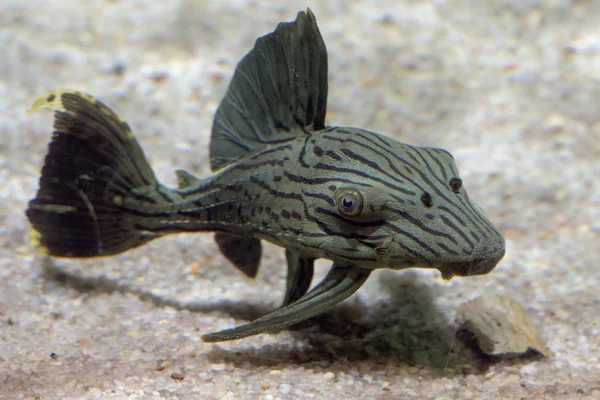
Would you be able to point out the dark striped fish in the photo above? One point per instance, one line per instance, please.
(355, 197)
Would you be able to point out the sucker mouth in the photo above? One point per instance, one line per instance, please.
(477, 266)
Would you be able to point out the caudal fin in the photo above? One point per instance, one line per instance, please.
(93, 164)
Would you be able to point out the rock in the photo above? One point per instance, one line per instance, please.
(501, 326)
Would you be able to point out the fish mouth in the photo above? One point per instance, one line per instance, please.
(476, 266)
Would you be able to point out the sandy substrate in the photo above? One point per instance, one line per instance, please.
(511, 88)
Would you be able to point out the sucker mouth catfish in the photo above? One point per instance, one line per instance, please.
(358, 198)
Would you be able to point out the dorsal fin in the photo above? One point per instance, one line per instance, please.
(279, 90)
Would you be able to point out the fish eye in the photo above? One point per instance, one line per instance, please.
(349, 202)
(455, 184)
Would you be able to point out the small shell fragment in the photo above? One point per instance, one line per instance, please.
(501, 326)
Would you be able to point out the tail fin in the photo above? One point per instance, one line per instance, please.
(93, 163)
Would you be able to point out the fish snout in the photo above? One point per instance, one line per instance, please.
(482, 261)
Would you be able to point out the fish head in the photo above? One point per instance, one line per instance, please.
(386, 204)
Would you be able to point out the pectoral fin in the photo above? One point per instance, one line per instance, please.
(339, 284)
(243, 252)
(300, 273)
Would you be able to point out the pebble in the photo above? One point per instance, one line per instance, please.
(218, 367)
(161, 365)
(328, 375)
(285, 388)
(177, 376)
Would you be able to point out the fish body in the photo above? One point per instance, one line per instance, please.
(358, 198)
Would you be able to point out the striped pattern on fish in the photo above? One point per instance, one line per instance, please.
(358, 198)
